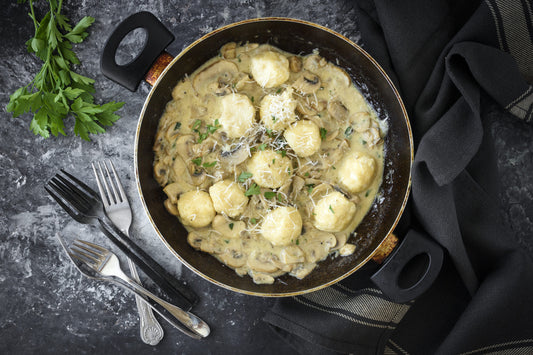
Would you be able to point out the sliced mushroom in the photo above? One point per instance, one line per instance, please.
(171, 207)
(184, 146)
(297, 185)
(233, 258)
(236, 155)
(195, 240)
(302, 270)
(228, 50)
(220, 73)
(346, 250)
(197, 174)
(338, 77)
(211, 245)
(204, 148)
(337, 110)
(172, 130)
(307, 83)
(305, 108)
(161, 173)
(320, 191)
(291, 254)
(295, 64)
(179, 170)
(228, 228)
(318, 245)
(174, 190)
(260, 278)
(261, 261)
(342, 237)
(313, 62)
(371, 136)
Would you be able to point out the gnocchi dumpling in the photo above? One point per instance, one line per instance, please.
(269, 69)
(303, 137)
(237, 116)
(196, 208)
(282, 226)
(269, 169)
(333, 213)
(356, 171)
(228, 198)
(277, 110)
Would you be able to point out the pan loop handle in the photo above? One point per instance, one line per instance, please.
(129, 75)
(411, 268)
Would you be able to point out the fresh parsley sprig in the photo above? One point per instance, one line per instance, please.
(57, 91)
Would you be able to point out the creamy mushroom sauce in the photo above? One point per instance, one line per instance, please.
(269, 159)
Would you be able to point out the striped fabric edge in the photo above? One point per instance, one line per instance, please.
(513, 21)
(361, 308)
(514, 28)
(522, 107)
(517, 347)
(394, 349)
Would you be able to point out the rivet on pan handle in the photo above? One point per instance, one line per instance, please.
(158, 37)
(402, 261)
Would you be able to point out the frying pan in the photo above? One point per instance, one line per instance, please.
(295, 36)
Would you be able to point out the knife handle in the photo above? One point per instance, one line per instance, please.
(180, 295)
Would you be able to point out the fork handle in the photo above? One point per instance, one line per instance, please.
(189, 320)
(179, 294)
(151, 330)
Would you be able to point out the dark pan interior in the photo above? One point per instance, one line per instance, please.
(302, 38)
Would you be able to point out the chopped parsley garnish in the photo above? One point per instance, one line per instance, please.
(331, 209)
(197, 161)
(209, 165)
(348, 132)
(323, 133)
(310, 188)
(231, 226)
(253, 220)
(196, 125)
(262, 146)
(177, 126)
(270, 194)
(244, 176)
(254, 189)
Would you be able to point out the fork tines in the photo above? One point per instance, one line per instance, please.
(87, 252)
(103, 174)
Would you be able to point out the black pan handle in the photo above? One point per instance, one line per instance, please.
(158, 37)
(411, 268)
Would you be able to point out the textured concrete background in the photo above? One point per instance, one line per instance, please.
(46, 305)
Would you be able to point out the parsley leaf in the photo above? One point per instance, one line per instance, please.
(57, 91)
(323, 133)
(254, 189)
(209, 165)
(270, 194)
(197, 161)
(244, 176)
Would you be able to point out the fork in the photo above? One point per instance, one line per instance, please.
(117, 208)
(84, 205)
(105, 263)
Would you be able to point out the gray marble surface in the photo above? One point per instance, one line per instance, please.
(46, 305)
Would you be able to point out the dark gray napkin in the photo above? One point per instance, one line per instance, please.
(451, 60)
